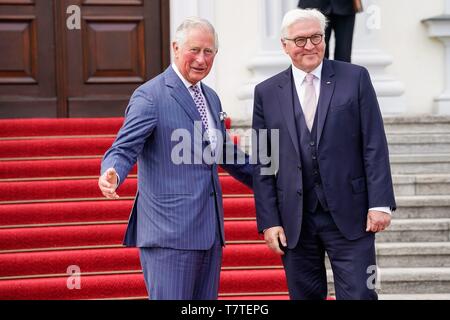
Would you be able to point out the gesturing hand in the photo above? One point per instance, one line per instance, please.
(108, 184)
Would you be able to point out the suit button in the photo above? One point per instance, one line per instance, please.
(314, 158)
(299, 192)
(299, 167)
(312, 143)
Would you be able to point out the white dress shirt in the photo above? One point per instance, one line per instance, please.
(299, 81)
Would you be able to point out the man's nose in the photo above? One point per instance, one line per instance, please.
(309, 45)
(200, 58)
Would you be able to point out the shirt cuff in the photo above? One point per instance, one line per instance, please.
(382, 209)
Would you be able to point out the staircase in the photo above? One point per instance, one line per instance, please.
(60, 239)
(52, 217)
(414, 255)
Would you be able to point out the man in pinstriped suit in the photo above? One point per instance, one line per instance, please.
(177, 217)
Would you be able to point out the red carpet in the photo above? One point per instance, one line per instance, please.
(91, 235)
(88, 188)
(130, 285)
(101, 210)
(118, 259)
(53, 216)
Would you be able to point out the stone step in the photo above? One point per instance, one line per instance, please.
(406, 296)
(411, 280)
(421, 184)
(416, 123)
(411, 255)
(422, 207)
(420, 163)
(416, 230)
(422, 142)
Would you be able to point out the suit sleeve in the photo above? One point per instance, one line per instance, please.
(264, 187)
(140, 121)
(375, 147)
(240, 169)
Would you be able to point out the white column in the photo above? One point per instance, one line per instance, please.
(366, 52)
(439, 27)
(181, 9)
(269, 57)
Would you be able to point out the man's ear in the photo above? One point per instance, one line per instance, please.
(283, 44)
(176, 49)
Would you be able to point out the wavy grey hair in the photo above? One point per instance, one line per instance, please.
(297, 15)
(194, 23)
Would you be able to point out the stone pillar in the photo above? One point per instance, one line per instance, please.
(269, 58)
(439, 27)
(181, 9)
(366, 52)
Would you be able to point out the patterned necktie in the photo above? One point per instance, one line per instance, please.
(309, 101)
(201, 105)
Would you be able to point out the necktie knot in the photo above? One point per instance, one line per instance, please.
(309, 78)
(195, 88)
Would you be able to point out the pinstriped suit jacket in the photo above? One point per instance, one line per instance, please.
(176, 206)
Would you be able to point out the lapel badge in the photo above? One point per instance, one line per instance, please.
(222, 116)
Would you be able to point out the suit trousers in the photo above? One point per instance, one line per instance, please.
(172, 274)
(353, 262)
(343, 26)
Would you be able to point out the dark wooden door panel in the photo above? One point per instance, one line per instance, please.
(47, 70)
(112, 54)
(27, 67)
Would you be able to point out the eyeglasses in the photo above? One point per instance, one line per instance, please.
(301, 41)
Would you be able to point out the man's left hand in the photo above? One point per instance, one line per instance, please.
(377, 221)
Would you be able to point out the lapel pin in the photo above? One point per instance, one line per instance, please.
(223, 116)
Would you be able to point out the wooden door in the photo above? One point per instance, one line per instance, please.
(51, 70)
(27, 59)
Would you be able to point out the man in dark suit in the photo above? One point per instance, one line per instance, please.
(332, 188)
(177, 220)
(341, 17)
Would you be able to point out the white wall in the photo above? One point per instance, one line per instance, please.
(237, 25)
(418, 59)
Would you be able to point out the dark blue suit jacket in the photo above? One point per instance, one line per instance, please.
(177, 205)
(338, 7)
(352, 151)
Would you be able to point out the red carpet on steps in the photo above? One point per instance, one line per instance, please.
(132, 285)
(101, 210)
(118, 259)
(53, 216)
(88, 188)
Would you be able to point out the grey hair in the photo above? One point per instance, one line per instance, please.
(297, 15)
(193, 23)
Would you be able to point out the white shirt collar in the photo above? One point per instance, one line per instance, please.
(300, 74)
(185, 82)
